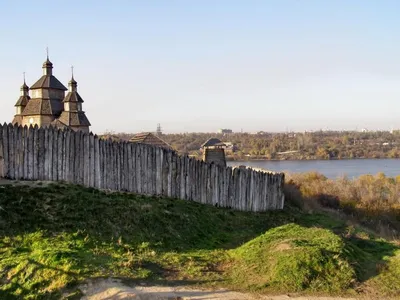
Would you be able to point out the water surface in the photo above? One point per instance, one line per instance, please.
(330, 168)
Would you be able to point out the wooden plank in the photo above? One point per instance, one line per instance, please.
(97, 181)
(60, 154)
(111, 166)
(102, 162)
(129, 175)
(76, 161)
(16, 152)
(154, 170)
(133, 168)
(66, 152)
(46, 155)
(203, 182)
(144, 155)
(115, 167)
(25, 150)
(71, 157)
(86, 160)
(107, 167)
(170, 176)
(19, 170)
(6, 152)
(150, 169)
(165, 172)
(36, 153)
(1, 152)
(30, 153)
(55, 155)
(40, 153)
(50, 141)
(124, 165)
(173, 175)
(120, 166)
(11, 150)
(91, 173)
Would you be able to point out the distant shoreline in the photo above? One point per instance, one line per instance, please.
(305, 159)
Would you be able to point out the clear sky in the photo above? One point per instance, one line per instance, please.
(254, 65)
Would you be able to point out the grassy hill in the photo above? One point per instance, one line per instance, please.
(52, 237)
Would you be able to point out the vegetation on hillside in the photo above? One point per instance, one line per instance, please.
(54, 237)
(302, 145)
(372, 201)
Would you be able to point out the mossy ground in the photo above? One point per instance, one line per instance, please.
(54, 237)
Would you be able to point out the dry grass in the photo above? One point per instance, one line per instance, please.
(372, 201)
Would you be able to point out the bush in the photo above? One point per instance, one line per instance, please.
(372, 200)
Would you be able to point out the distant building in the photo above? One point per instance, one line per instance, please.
(214, 152)
(159, 130)
(230, 147)
(149, 138)
(213, 143)
(216, 143)
(49, 105)
(224, 131)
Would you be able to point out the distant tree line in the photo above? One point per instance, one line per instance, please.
(285, 146)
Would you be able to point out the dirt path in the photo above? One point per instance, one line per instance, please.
(108, 289)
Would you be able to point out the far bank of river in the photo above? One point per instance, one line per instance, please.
(330, 168)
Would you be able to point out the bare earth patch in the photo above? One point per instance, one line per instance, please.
(101, 289)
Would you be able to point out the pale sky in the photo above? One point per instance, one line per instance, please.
(267, 65)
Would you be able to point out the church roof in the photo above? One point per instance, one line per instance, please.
(48, 82)
(17, 120)
(38, 106)
(22, 101)
(57, 123)
(73, 97)
(74, 118)
(213, 142)
(24, 86)
(149, 139)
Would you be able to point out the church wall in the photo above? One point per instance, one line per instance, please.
(36, 93)
(45, 93)
(46, 120)
(72, 106)
(58, 94)
(41, 121)
(84, 129)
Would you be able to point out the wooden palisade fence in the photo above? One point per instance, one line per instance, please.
(81, 158)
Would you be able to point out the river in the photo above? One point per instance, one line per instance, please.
(330, 168)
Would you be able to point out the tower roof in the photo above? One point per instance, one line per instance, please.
(72, 81)
(73, 97)
(43, 107)
(24, 87)
(213, 142)
(22, 101)
(48, 82)
(47, 63)
(24, 98)
(73, 119)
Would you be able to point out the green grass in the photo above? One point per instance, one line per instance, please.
(54, 237)
(292, 258)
